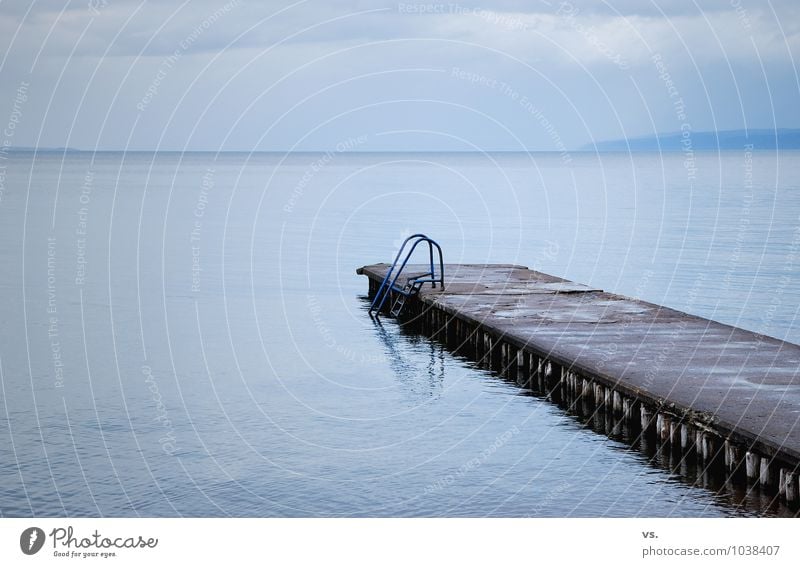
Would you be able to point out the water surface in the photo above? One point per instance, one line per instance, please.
(185, 335)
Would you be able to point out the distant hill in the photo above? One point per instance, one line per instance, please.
(782, 138)
(28, 149)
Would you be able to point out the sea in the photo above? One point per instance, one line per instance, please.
(185, 335)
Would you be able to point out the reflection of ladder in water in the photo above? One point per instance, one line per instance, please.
(404, 358)
(412, 286)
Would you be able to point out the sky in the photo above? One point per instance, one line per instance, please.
(339, 75)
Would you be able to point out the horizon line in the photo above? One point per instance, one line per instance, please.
(669, 150)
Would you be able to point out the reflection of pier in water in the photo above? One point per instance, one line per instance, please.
(720, 413)
(420, 386)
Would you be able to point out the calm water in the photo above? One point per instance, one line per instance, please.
(185, 335)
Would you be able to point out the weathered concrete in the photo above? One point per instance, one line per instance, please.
(728, 393)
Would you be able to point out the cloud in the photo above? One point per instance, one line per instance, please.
(589, 65)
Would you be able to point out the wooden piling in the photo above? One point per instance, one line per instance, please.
(766, 473)
(752, 464)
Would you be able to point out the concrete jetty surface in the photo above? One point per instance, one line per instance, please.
(727, 396)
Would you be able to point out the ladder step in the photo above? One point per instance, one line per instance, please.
(397, 307)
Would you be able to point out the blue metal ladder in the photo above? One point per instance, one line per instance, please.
(413, 284)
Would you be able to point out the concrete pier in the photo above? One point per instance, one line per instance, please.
(725, 397)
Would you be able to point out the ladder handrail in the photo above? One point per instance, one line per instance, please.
(391, 269)
(384, 290)
(403, 265)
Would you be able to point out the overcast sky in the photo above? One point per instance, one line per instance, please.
(308, 75)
